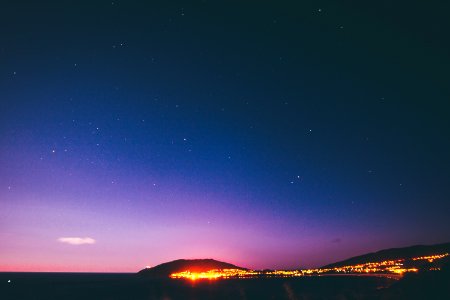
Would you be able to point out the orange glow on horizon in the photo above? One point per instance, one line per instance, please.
(214, 274)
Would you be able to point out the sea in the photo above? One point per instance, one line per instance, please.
(132, 286)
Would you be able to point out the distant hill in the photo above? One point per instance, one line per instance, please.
(394, 253)
(193, 265)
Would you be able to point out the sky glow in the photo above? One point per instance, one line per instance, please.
(266, 136)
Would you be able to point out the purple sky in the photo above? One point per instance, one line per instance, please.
(267, 136)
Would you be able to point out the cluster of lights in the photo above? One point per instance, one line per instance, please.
(387, 266)
(431, 258)
(235, 273)
(215, 274)
(383, 267)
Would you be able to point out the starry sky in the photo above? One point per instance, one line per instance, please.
(270, 134)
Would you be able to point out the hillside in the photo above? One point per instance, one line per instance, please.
(193, 265)
(394, 253)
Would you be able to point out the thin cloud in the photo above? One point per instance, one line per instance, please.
(77, 240)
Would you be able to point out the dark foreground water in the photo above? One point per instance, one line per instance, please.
(130, 286)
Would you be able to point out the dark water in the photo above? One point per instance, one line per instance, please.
(130, 286)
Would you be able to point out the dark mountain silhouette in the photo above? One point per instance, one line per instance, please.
(394, 253)
(193, 265)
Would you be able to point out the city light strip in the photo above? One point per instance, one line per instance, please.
(383, 267)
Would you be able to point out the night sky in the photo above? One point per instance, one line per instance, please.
(282, 134)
